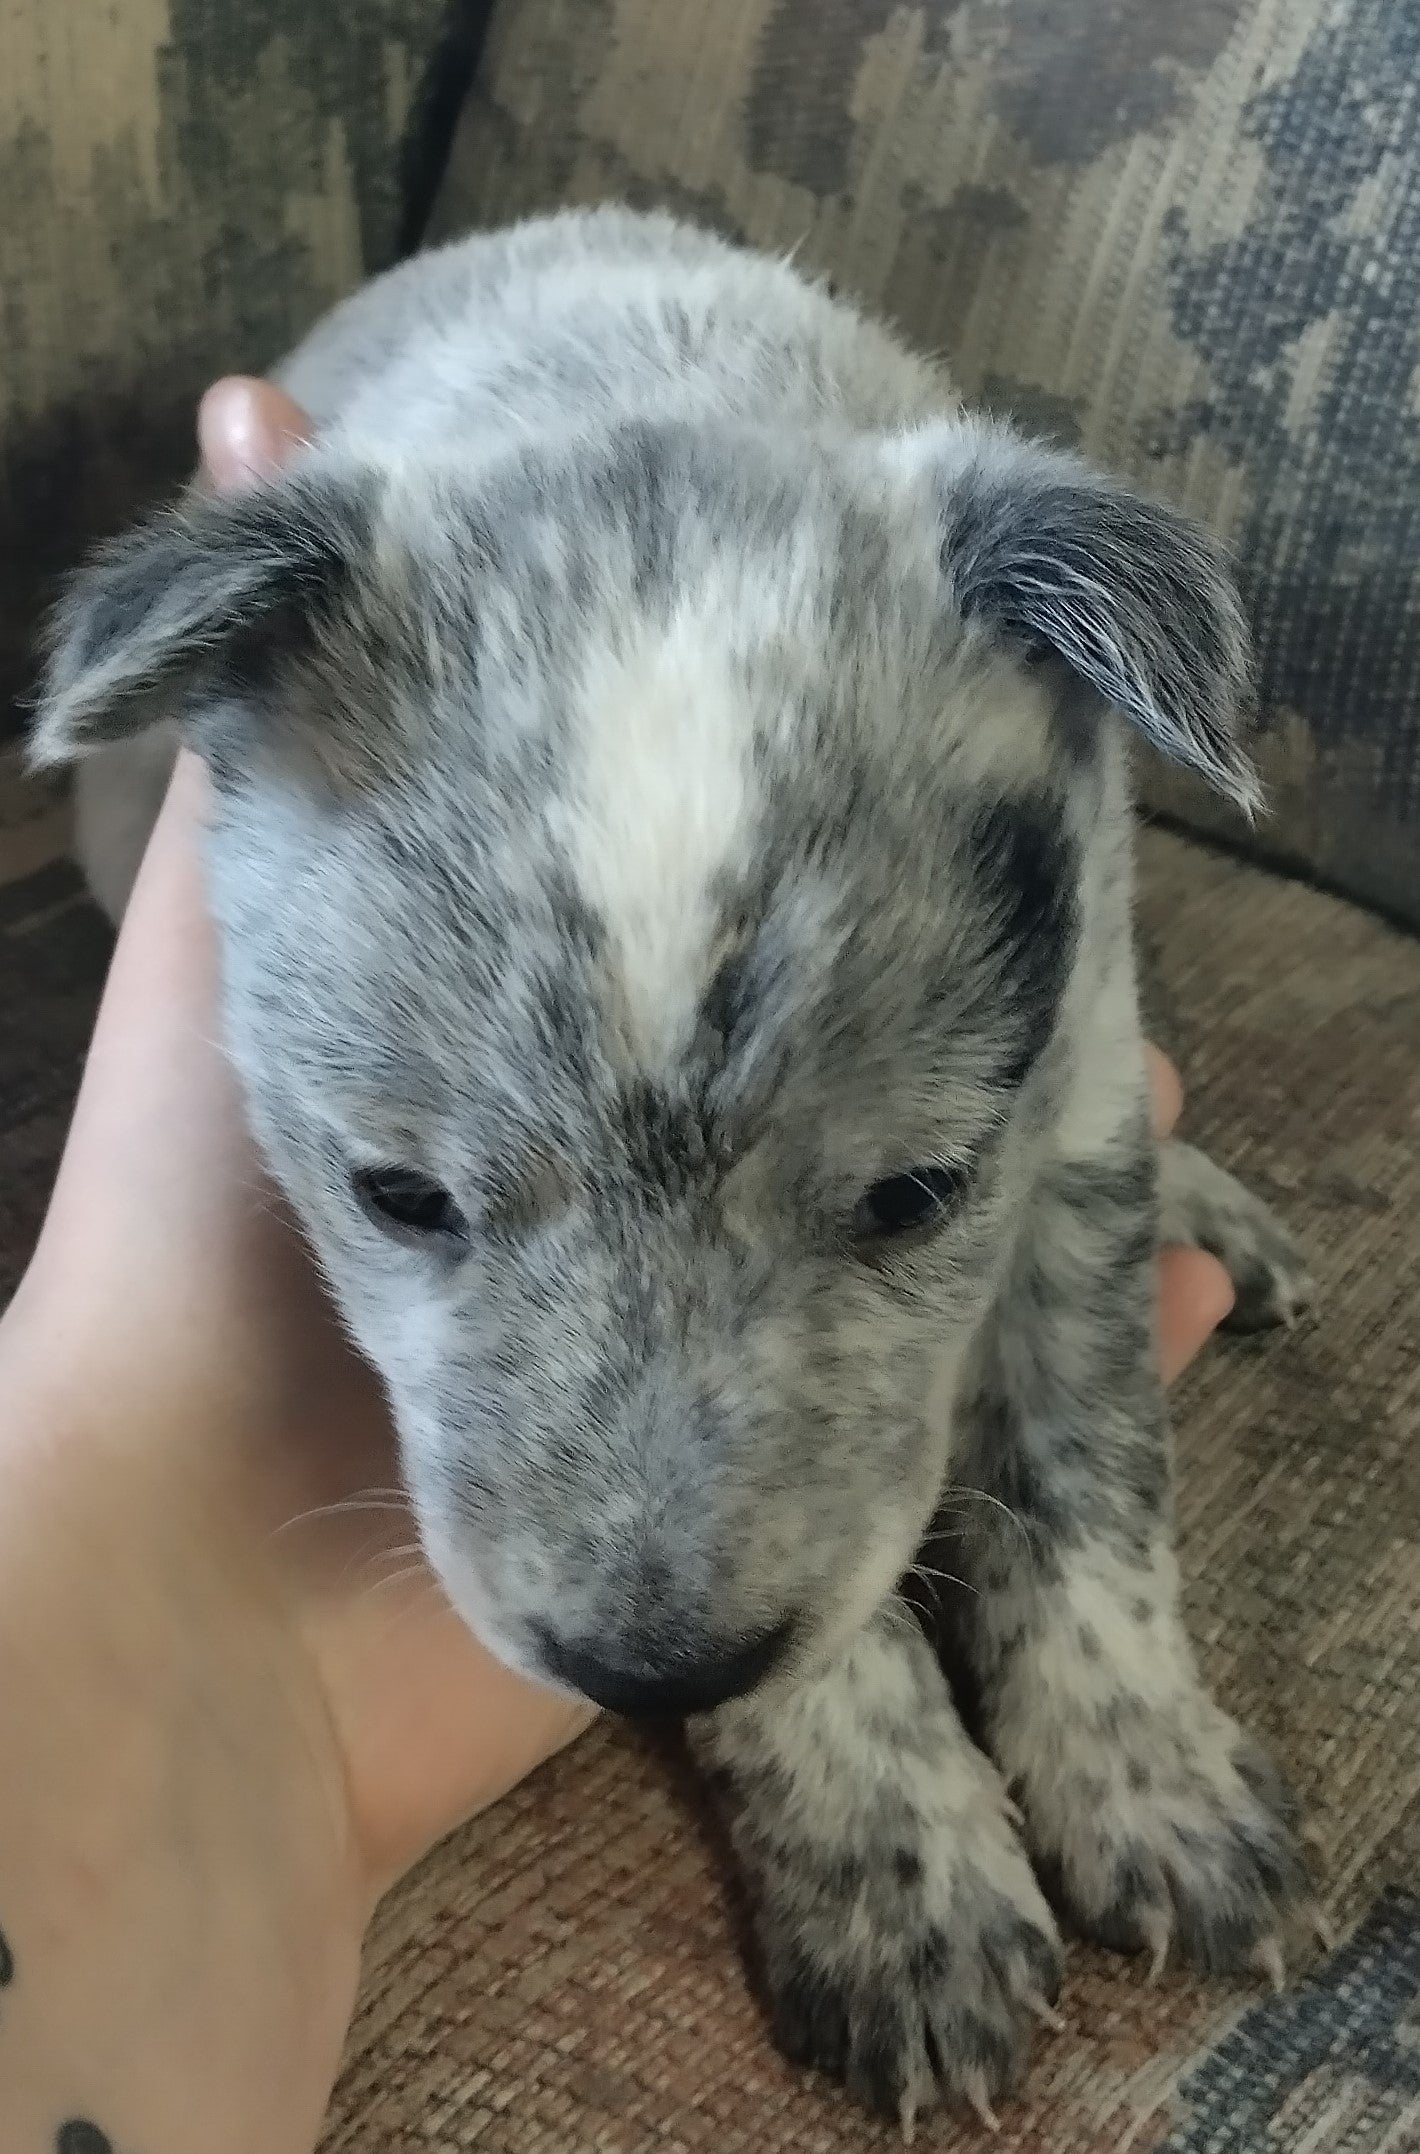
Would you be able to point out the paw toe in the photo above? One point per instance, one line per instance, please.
(929, 2019)
(1209, 1871)
(1268, 1291)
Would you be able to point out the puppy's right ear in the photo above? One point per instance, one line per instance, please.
(194, 601)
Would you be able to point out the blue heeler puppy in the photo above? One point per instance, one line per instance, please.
(673, 858)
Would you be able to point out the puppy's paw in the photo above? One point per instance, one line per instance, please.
(1206, 1207)
(1174, 1835)
(1271, 1282)
(913, 1964)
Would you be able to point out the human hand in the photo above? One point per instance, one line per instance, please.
(234, 1705)
(1195, 1292)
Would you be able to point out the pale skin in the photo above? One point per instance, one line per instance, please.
(230, 1715)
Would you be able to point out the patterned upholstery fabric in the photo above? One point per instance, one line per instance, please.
(1182, 233)
(184, 188)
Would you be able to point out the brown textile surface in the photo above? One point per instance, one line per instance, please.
(1184, 233)
(563, 1976)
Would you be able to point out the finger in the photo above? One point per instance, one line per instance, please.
(1195, 1294)
(1165, 1092)
(247, 429)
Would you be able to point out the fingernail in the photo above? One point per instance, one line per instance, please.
(243, 425)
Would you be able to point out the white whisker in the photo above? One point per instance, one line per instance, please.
(371, 1501)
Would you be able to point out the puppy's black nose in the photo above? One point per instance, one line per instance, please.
(685, 1675)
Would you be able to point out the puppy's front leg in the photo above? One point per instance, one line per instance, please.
(904, 1940)
(1156, 1818)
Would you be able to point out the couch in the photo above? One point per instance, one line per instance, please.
(1187, 238)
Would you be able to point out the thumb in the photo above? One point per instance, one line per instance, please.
(1195, 1294)
(247, 430)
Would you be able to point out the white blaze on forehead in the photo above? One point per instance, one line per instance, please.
(657, 819)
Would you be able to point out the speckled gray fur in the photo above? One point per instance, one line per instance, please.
(670, 772)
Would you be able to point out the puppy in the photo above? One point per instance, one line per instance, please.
(672, 854)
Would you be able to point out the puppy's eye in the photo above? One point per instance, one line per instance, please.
(909, 1203)
(408, 1204)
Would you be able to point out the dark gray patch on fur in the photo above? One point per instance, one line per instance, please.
(203, 598)
(1026, 875)
(1133, 598)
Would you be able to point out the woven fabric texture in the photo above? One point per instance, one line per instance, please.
(1184, 234)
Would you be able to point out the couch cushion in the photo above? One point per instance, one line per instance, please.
(1184, 233)
(184, 189)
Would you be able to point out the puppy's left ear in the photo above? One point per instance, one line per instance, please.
(1136, 600)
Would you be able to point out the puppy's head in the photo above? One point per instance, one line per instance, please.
(649, 876)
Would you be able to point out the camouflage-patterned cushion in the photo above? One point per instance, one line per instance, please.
(184, 188)
(1185, 233)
